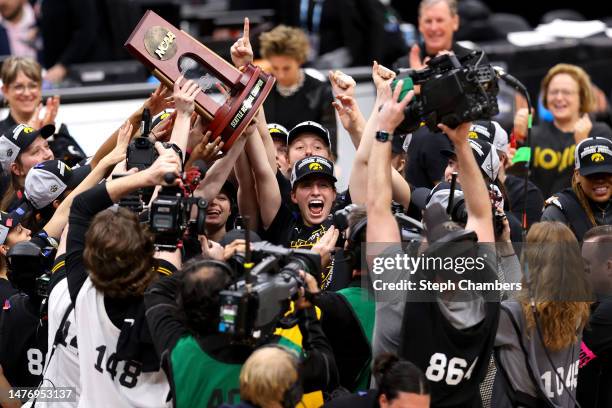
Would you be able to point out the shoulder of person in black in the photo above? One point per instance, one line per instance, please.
(6, 290)
(515, 187)
(345, 334)
(20, 331)
(367, 400)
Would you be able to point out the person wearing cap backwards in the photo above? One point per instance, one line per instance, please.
(21, 148)
(47, 184)
(489, 164)
(588, 203)
(492, 132)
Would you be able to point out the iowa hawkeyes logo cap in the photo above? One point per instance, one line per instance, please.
(312, 166)
(593, 155)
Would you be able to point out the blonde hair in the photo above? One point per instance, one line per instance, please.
(558, 284)
(588, 102)
(285, 41)
(267, 374)
(12, 66)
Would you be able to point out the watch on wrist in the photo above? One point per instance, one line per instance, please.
(383, 136)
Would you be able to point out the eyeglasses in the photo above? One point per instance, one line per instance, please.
(21, 88)
(562, 92)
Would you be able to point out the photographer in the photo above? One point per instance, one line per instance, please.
(183, 312)
(117, 360)
(469, 322)
(349, 312)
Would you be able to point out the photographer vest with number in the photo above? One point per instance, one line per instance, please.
(107, 380)
(450, 336)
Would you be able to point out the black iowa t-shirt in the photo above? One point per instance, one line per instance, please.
(553, 160)
(287, 229)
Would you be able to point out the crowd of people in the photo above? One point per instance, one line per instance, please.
(195, 275)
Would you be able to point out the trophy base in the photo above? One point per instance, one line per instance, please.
(235, 115)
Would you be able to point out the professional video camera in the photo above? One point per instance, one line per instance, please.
(453, 91)
(170, 217)
(257, 304)
(29, 270)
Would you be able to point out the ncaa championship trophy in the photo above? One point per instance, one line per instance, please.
(229, 98)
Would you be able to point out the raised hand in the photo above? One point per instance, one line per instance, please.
(184, 96)
(162, 131)
(341, 83)
(51, 109)
(205, 150)
(414, 58)
(119, 153)
(241, 51)
(459, 135)
(521, 120)
(392, 111)
(348, 112)
(159, 100)
(326, 245)
(582, 128)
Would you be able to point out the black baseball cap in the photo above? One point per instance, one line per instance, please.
(312, 166)
(10, 220)
(309, 127)
(593, 155)
(48, 180)
(278, 132)
(17, 139)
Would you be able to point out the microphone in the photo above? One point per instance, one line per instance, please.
(509, 79)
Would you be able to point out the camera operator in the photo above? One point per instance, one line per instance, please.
(400, 383)
(117, 360)
(595, 372)
(183, 312)
(469, 322)
(347, 316)
(588, 202)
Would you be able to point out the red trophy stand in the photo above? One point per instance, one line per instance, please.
(229, 98)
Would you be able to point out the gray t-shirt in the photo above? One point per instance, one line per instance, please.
(512, 360)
